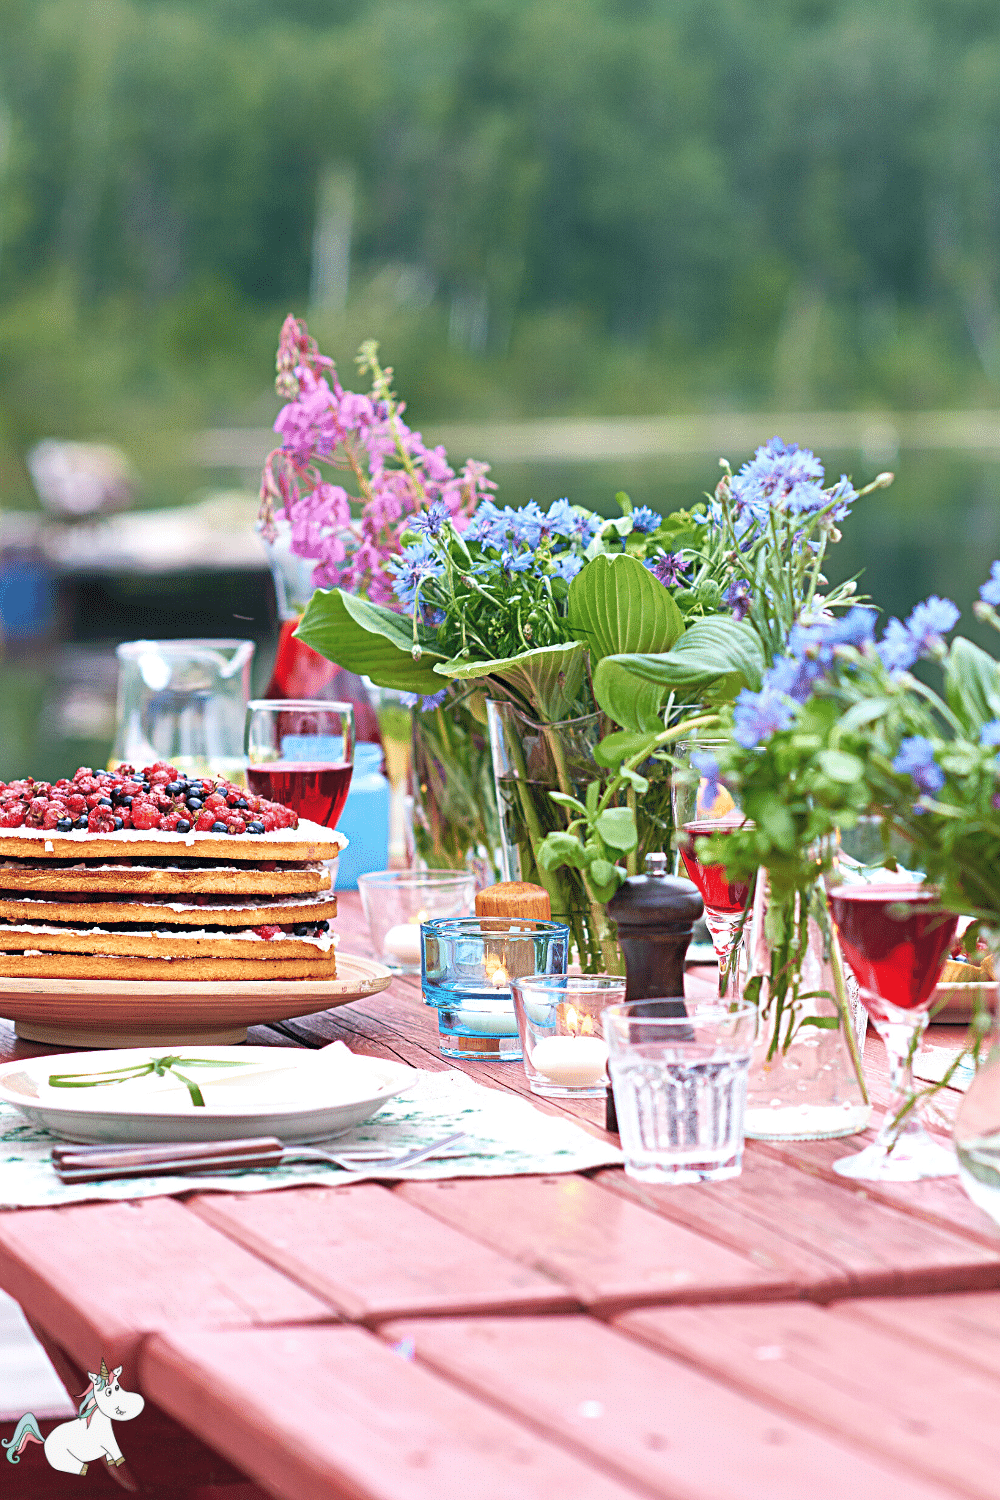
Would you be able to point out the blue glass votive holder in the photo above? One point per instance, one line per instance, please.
(467, 964)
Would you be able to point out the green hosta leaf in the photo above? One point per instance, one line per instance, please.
(714, 658)
(548, 678)
(367, 639)
(616, 605)
(616, 827)
(972, 685)
(633, 704)
(840, 767)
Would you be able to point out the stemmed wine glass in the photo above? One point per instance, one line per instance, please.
(300, 751)
(895, 936)
(699, 812)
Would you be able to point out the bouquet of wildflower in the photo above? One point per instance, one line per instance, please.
(757, 546)
(351, 536)
(841, 727)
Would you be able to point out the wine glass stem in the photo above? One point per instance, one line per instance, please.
(901, 1037)
(727, 940)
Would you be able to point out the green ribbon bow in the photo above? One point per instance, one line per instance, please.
(160, 1066)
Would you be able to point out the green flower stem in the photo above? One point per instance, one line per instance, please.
(840, 991)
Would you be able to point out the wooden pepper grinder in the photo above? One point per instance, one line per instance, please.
(655, 914)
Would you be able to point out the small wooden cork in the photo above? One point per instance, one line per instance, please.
(510, 901)
(514, 898)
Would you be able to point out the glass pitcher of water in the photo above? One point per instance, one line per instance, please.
(183, 702)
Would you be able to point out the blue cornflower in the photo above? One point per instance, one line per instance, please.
(990, 591)
(737, 596)
(644, 519)
(507, 563)
(573, 525)
(781, 475)
(916, 759)
(669, 569)
(412, 568)
(902, 645)
(793, 676)
(989, 735)
(434, 700)
(430, 521)
(845, 494)
(856, 628)
(757, 716)
(568, 565)
(708, 769)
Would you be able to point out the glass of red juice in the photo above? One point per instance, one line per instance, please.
(300, 751)
(700, 810)
(895, 935)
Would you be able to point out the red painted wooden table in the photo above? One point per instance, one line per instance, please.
(787, 1335)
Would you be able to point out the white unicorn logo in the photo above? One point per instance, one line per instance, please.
(71, 1446)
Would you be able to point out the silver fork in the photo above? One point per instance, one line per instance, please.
(99, 1163)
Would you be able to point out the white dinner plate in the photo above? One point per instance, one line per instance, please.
(292, 1094)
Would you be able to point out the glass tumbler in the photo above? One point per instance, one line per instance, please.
(679, 1073)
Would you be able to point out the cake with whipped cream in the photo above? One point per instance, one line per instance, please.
(152, 875)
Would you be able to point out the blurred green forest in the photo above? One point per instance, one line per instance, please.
(551, 206)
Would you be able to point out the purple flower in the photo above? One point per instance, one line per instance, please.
(737, 596)
(921, 636)
(507, 563)
(708, 769)
(668, 569)
(916, 759)
(413, 568)
(989, 735)
(645, 520)
(430, 521)
(566, 521)
(845, 495)
(990, 591)
(759, 715)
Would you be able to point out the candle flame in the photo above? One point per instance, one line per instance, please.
(576, 1022)
(422, 915)
(499, 977)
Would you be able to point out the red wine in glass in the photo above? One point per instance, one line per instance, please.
(722, 895)
(895, 937)
(317, 792)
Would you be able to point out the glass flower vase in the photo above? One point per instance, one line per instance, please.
(531, 760)
(806, 1078)
(977, 1125)
(455, 824)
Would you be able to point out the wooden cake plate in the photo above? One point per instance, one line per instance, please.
(137, 1013)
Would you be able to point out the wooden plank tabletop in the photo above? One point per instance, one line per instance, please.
(514, 1336)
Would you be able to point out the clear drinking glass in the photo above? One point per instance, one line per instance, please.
(562, 1037)
(679, 1073)
(396, 902)
(300, 752)
(895, 936)
(727, 903)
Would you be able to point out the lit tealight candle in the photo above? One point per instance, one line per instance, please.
(576, 1062)
(402, 943)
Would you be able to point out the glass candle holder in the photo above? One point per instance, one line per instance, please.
(468, 965)
(396, 902)
(562, 1039)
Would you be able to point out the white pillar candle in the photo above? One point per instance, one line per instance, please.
(402, 943)
(574, 1061)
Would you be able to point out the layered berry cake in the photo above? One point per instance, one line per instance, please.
(153, 875)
